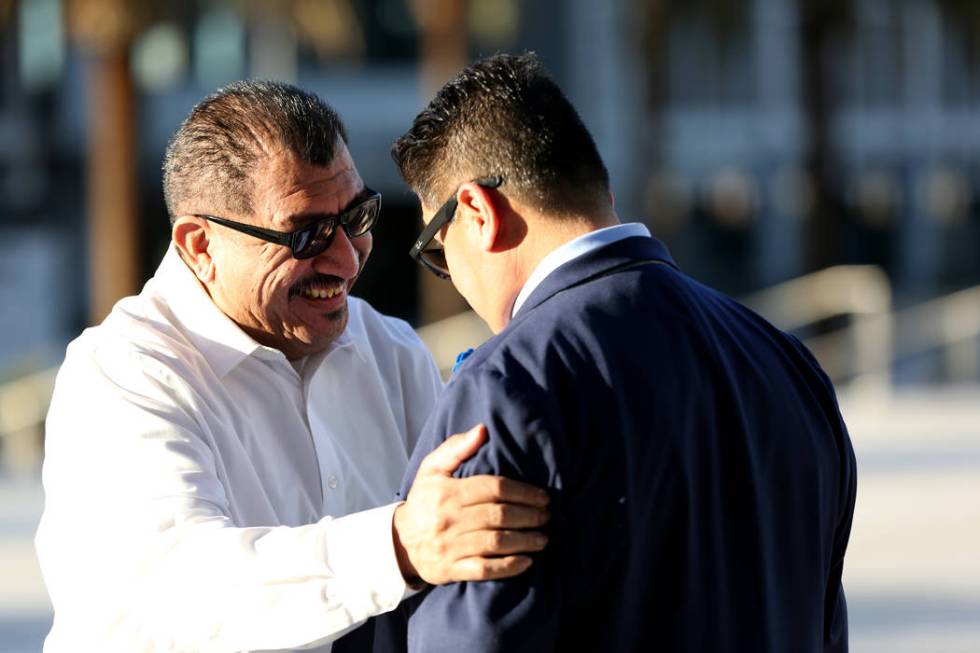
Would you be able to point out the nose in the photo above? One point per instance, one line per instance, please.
(341, 259)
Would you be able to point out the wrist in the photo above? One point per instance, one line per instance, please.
(405, 566)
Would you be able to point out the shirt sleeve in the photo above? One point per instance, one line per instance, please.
(520, 613)
(139, 549)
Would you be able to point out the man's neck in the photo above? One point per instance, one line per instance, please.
(552, 233)
(546, 236)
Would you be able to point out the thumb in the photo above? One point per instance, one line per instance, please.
(445, 458)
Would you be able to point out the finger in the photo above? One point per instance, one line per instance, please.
(474, 569)
(486, 516)
(487, 543)
(498, 489)
(445, 458)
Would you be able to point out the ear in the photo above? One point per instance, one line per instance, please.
(192, 236)
(481, 213)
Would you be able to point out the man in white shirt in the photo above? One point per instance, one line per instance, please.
(222, 451)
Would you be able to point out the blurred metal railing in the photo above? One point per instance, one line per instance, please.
(23, 406)
(857, 355)
(869, 347)
(950, 323)
(860, 355)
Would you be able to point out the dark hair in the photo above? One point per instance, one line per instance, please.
(211, 158)
(504, 116)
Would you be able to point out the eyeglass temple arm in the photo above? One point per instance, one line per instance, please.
(440, 219)
(435, 224)
(265, 234)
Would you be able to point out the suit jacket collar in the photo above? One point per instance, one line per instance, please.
(596, 263)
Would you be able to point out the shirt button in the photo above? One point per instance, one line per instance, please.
(332, 482)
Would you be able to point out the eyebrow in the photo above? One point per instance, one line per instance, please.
(299, 220)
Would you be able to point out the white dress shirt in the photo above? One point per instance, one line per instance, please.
(572, 250)
(196, 484)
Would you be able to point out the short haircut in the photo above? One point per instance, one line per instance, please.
(210, 161)
(504, 116)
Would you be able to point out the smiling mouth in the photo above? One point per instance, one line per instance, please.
(320, 287)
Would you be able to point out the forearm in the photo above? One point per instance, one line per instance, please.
(204, 586)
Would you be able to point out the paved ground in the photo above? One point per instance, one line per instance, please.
(913, 570)
(25, 614)
(912, 575)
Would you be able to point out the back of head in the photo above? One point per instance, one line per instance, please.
(504, 116)
(210, 160)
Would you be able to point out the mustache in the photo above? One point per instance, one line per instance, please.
(314, 281)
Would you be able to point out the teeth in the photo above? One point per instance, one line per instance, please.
(323, 293)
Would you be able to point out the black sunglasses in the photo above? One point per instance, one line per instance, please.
(306, 242)
(432, 257)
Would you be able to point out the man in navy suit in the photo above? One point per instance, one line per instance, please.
(702, 479)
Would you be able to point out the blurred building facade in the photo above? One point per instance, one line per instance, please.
(761, 139)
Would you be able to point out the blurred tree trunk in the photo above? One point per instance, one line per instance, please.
(650, 20)
(965, 15)
(112, 183)
(443, 36)
(104, 29)
(820, 22)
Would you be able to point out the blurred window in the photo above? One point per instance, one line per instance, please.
(159, 58)
(41, 43)
(709, 57)
(878, 50)
(219, 46)
(961, 61)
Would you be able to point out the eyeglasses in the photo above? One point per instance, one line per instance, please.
(431, 256)
(306, 242)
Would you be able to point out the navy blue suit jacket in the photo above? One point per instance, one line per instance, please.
(702, 479)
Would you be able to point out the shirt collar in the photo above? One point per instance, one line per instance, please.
(572, 250)
(222, 342)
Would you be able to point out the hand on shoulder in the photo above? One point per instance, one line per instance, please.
(468, 529)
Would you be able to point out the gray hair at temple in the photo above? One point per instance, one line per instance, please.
(504, 116)
(210, 161)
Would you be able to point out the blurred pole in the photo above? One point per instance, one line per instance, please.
(820, 22)
(823, 225)
(112, 183)
(104, 29)
(443, 45)
(443, 41)
(920, 233)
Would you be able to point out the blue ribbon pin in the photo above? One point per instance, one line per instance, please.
(462, 356)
